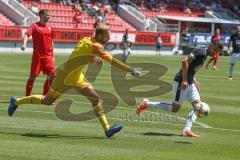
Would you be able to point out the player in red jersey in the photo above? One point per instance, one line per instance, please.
(216, 37)
(42, 57)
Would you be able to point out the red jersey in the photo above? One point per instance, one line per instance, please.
(77, 17)
(216, 37)
(42, 36)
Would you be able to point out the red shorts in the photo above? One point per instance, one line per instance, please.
(46, 65)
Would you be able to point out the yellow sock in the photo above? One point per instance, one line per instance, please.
(34, 99)
(101, 116)
(104, 122)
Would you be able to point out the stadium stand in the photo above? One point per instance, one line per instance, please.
(173, 13)
(171, 9)
(178, 22)
(5, 20)
(233, 6)
(62, 16)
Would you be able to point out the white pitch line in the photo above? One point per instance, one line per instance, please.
(109, 117)
(139, 121)
(180, 118)
(225, 129)
(135, 120)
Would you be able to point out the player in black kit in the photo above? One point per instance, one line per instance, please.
(234, 46)
(186, 86)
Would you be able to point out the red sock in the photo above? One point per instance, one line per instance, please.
(215, 62)
(29, 87)
(210, 60)
(46, 87)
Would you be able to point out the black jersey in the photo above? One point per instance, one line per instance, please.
(235, 38)
(125, 38)
(197, 58)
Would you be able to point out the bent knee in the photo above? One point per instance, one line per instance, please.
(95, 101)
(32, 77)
(175, 108)
(48, 101)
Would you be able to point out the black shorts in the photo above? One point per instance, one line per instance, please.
(158, 46)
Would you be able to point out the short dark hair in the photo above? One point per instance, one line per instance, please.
(43, 11)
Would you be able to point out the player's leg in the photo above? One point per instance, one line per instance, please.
(46, 86)
(178, 98)
(48, 83)
(232, 63)
(231, 68)
(33, 99)
(215, 61)
(57, 88)
(128, 53)
(124, 56)
(194, 97)
(159, 50)
(210, 60)
(48, 68)
(29, 85)
(94, 98)
(35, 70)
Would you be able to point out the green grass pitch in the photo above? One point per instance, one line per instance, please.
(36, 133)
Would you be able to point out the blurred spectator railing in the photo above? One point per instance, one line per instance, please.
(135, 18)
(231, 13)
(17, 12)
(165, 28)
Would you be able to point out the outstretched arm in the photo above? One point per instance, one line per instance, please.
(24, 42)
(97, 50)
(29, 32)
(185, 64)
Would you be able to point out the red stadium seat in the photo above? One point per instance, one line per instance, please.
(62, 16)
(4, 20)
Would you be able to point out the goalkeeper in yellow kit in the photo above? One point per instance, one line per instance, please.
(71, 75)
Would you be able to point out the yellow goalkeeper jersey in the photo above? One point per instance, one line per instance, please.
(83, 54)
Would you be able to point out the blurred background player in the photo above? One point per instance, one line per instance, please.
(71, 75)
(126, 46)
(77, 18)
(186, 86)
(158, 44)
(42, 57)
(234, 50)
(215, 38)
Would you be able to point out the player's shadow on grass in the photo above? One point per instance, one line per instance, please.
(160, 134)
(40, 135)
(183, 142)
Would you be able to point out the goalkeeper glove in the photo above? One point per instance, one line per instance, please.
(97, 60)
(135, 72)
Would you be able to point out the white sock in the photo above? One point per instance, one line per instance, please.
(191, 119)
(160, 105)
